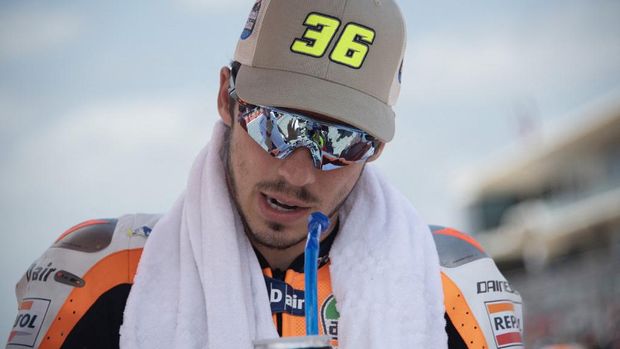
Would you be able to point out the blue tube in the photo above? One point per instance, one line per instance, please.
(317, 224)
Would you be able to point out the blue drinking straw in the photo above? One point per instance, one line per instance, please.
(317, 224)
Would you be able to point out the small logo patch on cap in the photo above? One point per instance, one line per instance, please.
(251, 22)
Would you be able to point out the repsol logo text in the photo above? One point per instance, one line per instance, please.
(25, 321)
(507, 322)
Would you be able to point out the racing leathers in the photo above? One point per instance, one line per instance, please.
(74, 295)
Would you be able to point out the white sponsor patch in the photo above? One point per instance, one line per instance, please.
(28, 323)
(505, 323)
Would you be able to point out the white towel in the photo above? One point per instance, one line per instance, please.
(199, 283)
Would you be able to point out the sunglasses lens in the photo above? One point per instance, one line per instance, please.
(280, 132)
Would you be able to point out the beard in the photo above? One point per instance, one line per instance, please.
(273, 236)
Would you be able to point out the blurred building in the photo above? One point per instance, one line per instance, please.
(549, 214)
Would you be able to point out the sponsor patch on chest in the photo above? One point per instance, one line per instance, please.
(330, 317)
(284, 298)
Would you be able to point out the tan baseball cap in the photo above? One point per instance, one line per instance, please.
(339, 58)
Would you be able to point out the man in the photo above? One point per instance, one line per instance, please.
(305, 106)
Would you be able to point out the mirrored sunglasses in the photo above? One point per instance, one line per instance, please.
(280, 132)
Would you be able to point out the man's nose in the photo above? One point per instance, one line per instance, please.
(298, 168)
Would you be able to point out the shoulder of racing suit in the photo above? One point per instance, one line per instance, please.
(77, 282)
(77, 289)
(480, 304)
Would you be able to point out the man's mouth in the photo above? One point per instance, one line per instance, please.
(280, 208)
(284, 204)
(274, 203)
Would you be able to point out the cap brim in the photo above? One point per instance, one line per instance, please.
(286, 89)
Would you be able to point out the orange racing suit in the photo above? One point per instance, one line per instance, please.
(75, 294)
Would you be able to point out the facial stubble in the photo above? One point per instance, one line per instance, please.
(263, 238)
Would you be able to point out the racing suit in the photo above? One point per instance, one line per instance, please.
(74, 295)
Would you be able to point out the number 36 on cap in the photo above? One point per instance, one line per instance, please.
(351, 48)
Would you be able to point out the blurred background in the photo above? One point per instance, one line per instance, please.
(508, 127)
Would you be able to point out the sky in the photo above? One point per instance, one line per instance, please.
(104, 105)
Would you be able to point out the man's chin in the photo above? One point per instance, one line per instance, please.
(275, 239)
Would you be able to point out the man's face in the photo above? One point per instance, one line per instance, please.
(275, 197)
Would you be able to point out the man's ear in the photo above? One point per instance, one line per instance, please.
(223, 99)
(377, 153)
